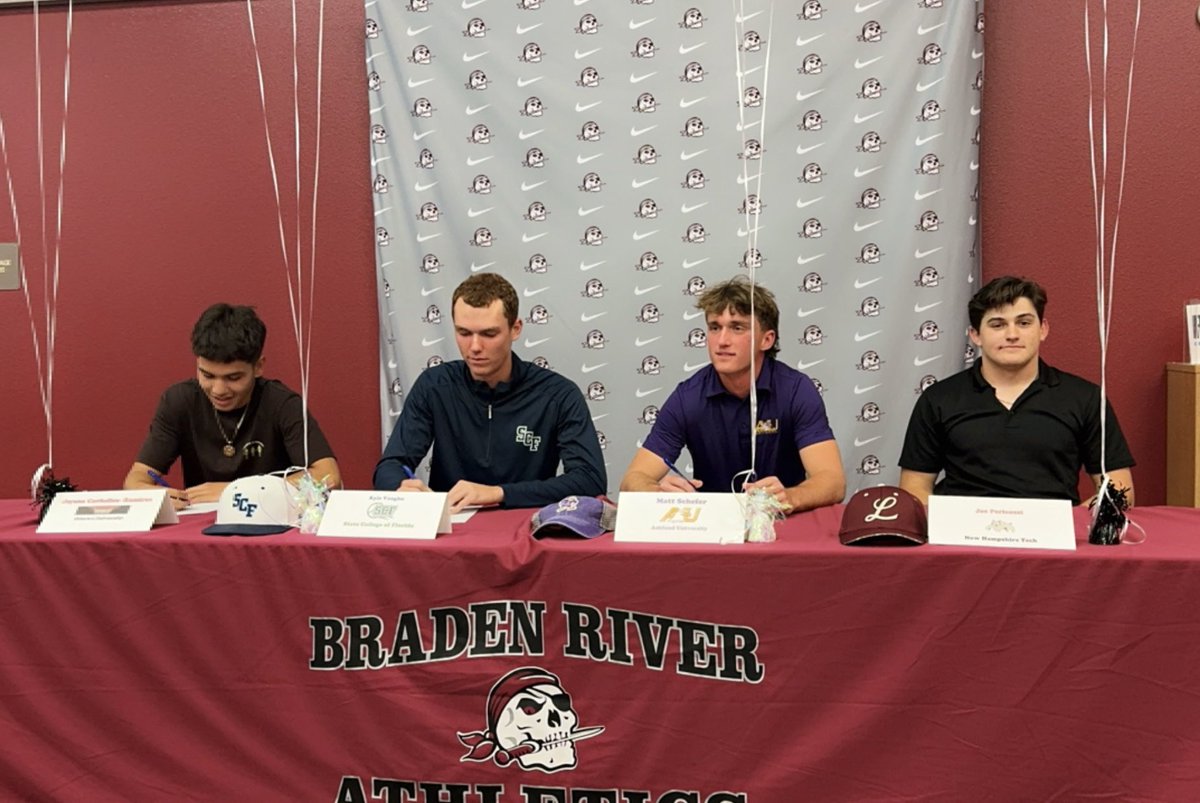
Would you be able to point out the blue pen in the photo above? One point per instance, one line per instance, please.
(408, 472)
(158, 478)
(671, 467)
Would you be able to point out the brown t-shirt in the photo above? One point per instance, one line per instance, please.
(271, 437)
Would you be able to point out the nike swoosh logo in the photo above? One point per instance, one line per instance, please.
(859, 391)
(423, 237)
(586, 53)
(862, 118)
(526, 238)
(472, 56)
(637, 79)
(860, 338)
(688, 367)
(976, 54)
(739, 19)
(861, 7)
(531, 343)
(921, 196)
(807, 95)
(587, 369)
(806, 260)
(428, 342)
(585, 317)
(804, 313)
(637, 235)
(641, 291)
(865, 441)
(476, 268)
(425, 292)
(917, 361)
(804, 366)
(683, 104)
(689, 208)
(639, 184)
(688, 264)
(524, 29)
(974, 165)
(472, 110)
(748, 179)
(472, 162)
(414, 84)
(919, 141)
(744, 232)
(860, 173)
(800, 204)
(582, 107)
(865, 226)
(523, 135)
(585, 212)
(683, 51)
(923, 307)
(688, 316)
(801, 150)
(467, 4)
(926, 87)
(478, 212)
(637, 132)
(531, 293)
(922, 30)
(590, 265)
(633, 26)
(582, 160)
(418, 137)
(858, 64)
(919, 254)
(860, 285)
(422, 187)
(523, 82)
(639, 342)
(802, 42)
(686, 156)
(414, 32)
(641, 394)
(527, 187)
(972, 220)
(974, 111)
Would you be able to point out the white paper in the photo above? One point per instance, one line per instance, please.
(196, 508)
(1006, 523)
(385, 514)
(463, 515)
(681, 518)
(108, 511)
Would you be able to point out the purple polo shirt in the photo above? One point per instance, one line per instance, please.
(715, 426)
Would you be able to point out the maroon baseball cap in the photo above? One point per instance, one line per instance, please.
(885, 516)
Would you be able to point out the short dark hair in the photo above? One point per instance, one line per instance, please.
(482, 289)
(735, 294)
(1002, 291)
(226, 333)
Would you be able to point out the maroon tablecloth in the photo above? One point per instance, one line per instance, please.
(175, 666)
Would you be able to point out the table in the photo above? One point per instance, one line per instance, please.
(175, 666)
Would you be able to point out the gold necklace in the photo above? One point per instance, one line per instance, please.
(229, 450)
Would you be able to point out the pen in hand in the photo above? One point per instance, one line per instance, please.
(160, 480)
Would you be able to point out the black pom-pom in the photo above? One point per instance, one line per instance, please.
(47, 489)
(1109, 521)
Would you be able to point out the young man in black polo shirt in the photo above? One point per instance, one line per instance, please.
(1011, 425)
(228, 422)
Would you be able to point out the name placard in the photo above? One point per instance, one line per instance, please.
(108, 512)
(680, 518)
(992, 522)
(385, 514)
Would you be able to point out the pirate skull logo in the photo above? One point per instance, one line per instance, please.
(374, 81)
(421, 54)
(931, 54)
(812, 64)
(869, 361)
(870, 254)
(595, 392)
(648, 314)
(646, 155)
(693, 180)
(380, 184)
(592, 235)
(430, 263)
(589, 78)
(752, 259)
(812, 228)
(870, 413)
(537, 264)
(696, 339)
(752, 150)
(588, 25)
(872, 89)
(482, 237)
(533, 107)
(481, 184)
(928, 277)
(813, 283)
(751, 205)
(752, 42)
(649, 415)
(476, 28)
(593, 288)
(693, 127)
(541, 362)
(928, 331)
(872, 31)
(477, 79)
(928, 221)
(692, 18)
(531, 53)
(752, 97)
(695, 286)
(425, 159)
(480, 135)
(929, 165)
(434, 360)
(378, 134)
(647, 209)
(870, 199)
(926, 382)
(601, 439)
(813, 336)
(591, 183)
(432, 314)
(811, 121)
(539, 315)
(812, 174)
(537, 212)
(930, 110)
(811, 10)
(422, 107)
(650, 366)
(693, 73)
(382, 237)
(428, 212)
(645, 103)
(372, 29)
(648, 261)
(594, 340)
(694, 233)
(534, 157)
(644, 48)
(590, 131)
(871, 142)
(870, 307)
(870, 465)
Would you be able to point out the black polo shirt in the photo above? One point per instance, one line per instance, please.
(1033, 450)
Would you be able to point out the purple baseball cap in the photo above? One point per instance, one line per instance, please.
(578, 515)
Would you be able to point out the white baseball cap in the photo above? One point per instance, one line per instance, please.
(258, 505)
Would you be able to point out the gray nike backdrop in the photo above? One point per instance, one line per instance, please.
(611, 159)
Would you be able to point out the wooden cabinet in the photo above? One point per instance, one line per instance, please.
(1183, 434)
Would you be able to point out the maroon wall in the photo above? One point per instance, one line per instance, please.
(1037, 194)
(168, 207)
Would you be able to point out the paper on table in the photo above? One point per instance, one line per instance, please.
(463, 515)
(197, 508)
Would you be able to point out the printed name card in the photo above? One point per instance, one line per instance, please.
(385, 514)
(108, 512)
(992, 522)
(681, 518)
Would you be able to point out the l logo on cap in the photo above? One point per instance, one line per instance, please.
(880, 505)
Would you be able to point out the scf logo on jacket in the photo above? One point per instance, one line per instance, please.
(526, 437)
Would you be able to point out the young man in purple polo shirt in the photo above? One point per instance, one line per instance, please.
(797, 460)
